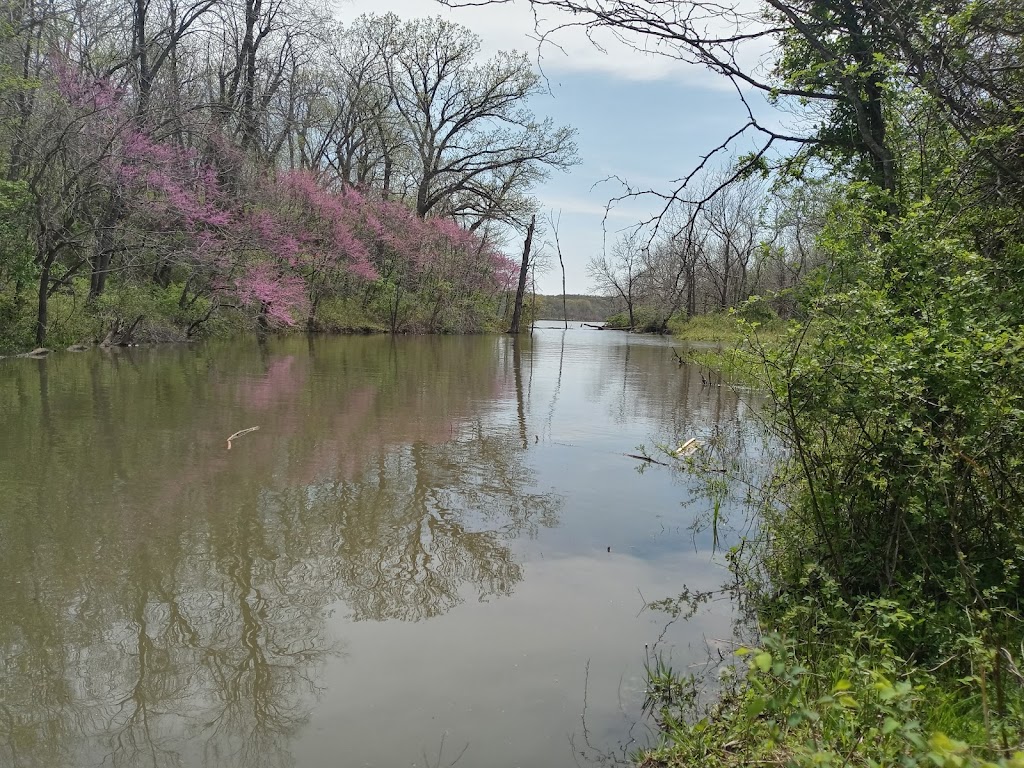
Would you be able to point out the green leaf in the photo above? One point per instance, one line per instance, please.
(755, 707)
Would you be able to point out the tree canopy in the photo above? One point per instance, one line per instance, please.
(170, 167)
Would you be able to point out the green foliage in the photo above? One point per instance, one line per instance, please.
(345, 315)
(71, 322)
(830, 688)
(757, 310)
(649, 320)
(713, 327)
(436, 307)
(618, 320)
(754, 321)
(905, 415)
(16, 267)
(856, 709)
(16, 321)
(894, 534)
(645, 320)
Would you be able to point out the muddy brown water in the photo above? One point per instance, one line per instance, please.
(432, 551)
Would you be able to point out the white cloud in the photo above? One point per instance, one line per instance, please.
(511, 26)
(590, 207)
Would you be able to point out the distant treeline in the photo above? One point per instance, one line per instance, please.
(587, 309)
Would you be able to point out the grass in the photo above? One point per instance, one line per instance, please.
(721, 328)
(726, 328)
(734, 339)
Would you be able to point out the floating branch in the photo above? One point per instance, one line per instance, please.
(646, 458)
(239, 433)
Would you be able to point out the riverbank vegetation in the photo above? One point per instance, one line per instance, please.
(701, 267)
(589, 309)
(888, 569)
(168, 170)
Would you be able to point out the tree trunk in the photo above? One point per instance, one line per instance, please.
(691, 290)
(517, 313)
(565, 314)
(104, 249)
(44, 297)
(394, 308)
(142, 56)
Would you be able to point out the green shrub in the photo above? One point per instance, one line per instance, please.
(345, 315)
(829, 688)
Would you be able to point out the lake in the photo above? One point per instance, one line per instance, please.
(434, 550)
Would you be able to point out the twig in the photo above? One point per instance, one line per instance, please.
(646, 458)
(239, 433)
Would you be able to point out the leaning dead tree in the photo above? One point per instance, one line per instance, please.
(524, 269)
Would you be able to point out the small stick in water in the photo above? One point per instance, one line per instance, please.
(685, 449)
(239, 433)
(646, 458)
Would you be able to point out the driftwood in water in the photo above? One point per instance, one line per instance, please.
(685, 449)
(239, 433)
(595, 327)
(36, 354)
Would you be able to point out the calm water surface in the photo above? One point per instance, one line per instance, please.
(407, 563)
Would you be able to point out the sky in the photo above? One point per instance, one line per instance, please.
(643, 118)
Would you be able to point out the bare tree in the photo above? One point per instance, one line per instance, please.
(732, 224)
(554, 222)
(477, 146)
(156, 31)
(620, 274)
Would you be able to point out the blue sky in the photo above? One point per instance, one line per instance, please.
(644, 118)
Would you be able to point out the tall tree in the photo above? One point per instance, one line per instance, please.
(620, 274)
(477, 145)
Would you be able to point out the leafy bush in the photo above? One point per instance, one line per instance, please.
(906, 417)
(858, 710)
(829, 688)
(345, 315)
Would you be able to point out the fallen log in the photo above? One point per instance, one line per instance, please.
(37, 353)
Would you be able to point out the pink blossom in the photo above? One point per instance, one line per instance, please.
(279, 297)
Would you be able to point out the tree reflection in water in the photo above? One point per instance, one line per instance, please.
(163, 601)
